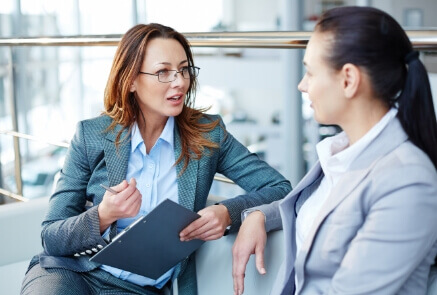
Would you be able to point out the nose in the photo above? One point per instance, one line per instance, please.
(178, 79)
(303, 85)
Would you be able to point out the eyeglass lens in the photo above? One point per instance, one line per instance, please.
(170, 75)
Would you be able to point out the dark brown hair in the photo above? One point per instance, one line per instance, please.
(121, 105)
(372, 39)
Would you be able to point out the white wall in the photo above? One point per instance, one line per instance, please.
(397, 8)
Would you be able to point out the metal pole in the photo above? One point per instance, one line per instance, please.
(134, 12)
(292, 125)
(2, 198)
(14, 115)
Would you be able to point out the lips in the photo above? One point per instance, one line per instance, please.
(175, 97)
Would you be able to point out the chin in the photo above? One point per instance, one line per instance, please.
(175, 113)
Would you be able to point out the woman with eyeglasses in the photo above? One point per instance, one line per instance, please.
(149, 144)
(363, 220)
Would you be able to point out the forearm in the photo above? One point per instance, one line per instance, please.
(72, 235)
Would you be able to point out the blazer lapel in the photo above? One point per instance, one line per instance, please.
(187, 182)
(116, 159)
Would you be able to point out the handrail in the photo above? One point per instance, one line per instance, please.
(34, 138)
(421, 39)
(64, 145)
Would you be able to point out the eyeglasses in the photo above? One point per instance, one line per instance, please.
(167, 76)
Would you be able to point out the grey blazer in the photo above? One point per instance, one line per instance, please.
(376, 233)
(71, 227)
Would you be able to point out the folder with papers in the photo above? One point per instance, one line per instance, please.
(150, 246)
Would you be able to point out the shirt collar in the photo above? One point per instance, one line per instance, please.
(166, 135)
(336, 155)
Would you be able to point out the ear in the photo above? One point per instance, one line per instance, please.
(133, 88)
(351, 79)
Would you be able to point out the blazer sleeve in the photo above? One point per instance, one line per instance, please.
(262, 183)
(397, 237)
(273, 220)
(68, 227)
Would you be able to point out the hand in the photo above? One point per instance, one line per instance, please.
(126, 203)
(251, 239)
(210, 226)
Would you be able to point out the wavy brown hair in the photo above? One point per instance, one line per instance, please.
(121, 105)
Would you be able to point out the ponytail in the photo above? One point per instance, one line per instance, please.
(416, 109)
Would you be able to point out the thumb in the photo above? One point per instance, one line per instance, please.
(259, 260)
(121, 186)
(133, 182)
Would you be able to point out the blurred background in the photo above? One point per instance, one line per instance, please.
(46, 90)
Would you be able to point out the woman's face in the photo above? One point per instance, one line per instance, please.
(322, 83)
(160, 100)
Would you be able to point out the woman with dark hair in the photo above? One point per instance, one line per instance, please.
(363, 220)
(149, 144)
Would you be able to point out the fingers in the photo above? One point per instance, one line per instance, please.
(128, 190)
(193, 229)
(259, 260)
(121, 186)
(239, 262)
(126, 203)
(210, 226)
(251, 239)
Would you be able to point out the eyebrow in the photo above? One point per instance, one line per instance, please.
(169, 64)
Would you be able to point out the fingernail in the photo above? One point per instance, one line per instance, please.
(263, 271)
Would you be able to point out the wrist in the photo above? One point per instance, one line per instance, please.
(257, 215)
(225, 213)
(104, 220)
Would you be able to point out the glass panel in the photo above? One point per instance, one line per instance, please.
(39, 168)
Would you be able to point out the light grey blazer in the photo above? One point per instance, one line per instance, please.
(376, 233)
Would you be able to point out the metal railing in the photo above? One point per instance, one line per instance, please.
(422, 40)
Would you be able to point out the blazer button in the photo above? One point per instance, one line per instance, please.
(88, 251)
(100, 246)
(82, 253)
(95, 250)
(77, 255)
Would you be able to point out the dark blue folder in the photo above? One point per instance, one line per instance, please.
(150, 246)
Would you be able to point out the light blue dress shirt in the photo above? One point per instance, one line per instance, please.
(155, 174)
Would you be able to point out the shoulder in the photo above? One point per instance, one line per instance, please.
(405, 166)
(209, 118)
(100, 122)
(408, 157)
(97, 127)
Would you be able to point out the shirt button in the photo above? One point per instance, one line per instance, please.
(147, 185)
(151, 166)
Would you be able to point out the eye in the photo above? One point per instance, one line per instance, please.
(162, 73)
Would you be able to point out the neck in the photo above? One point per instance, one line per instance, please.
(150, 130)
(362, 118)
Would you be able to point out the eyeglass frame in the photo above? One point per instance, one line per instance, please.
(195, 69)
